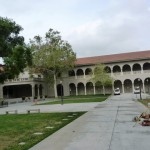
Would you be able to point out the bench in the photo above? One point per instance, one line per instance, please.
(11, 111)
(34, 110)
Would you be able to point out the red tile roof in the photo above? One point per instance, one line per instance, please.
(114, 58)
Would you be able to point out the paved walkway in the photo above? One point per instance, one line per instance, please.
(23, 107)
(108, 126)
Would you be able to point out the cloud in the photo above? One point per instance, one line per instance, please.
(124, 27)
(95, 27)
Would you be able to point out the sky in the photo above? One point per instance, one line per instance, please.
(92, 27)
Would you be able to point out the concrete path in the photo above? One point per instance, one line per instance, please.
(108, 126)
(23, 107)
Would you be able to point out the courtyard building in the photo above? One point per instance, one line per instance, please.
(128, 71)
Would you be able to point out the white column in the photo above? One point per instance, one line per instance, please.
(143, 87)
(94, 89)
(84, 73)
(111, 72)
(33, 91)
(121, 72)
(85, 90)
(132, 87)
(142, 70)
(76, 90)
(75, 74)
(122, 88)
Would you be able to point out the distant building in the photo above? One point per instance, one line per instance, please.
(129, 70)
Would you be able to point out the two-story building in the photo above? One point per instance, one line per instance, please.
(128, 70)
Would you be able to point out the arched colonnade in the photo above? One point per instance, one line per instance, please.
(114, 69)
(125, 86)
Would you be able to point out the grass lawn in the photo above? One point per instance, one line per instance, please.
(145, 101)
(18, 128)
(76, 100)
(86, 96)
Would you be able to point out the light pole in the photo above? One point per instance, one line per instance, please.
(140, 88)
(61, 92)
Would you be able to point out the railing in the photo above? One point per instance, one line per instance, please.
(146, 71)
(71, 77)
(79, 77)
(136, 72)
(127, 73)
(89, 76)
(116, 73)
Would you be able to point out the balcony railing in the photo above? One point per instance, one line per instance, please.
(146, 71)
(127, 73)
(137, 72)
(81, 76)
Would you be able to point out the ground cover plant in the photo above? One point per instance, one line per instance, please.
(145, 101)
(22, 131)
(86, 96)
(77, 99)
(68, 101)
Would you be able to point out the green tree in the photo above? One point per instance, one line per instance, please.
(51, 56)
(13, 51)
(101, 76)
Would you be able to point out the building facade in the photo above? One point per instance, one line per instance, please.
(128, 70)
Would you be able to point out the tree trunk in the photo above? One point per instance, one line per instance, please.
(55, 88)
(104, 90)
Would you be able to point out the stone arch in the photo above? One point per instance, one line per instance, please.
(107, 69)
(146, 66)
(81, 88)
(88, 71)
(147, 85)
(126, 68)
(138, 83)
(128, 86)
(71, 73)
(89, 88)
(136, 67)
(60, 90)
(80, 72)
(72, 88)
(118, 84)
(116, 69)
